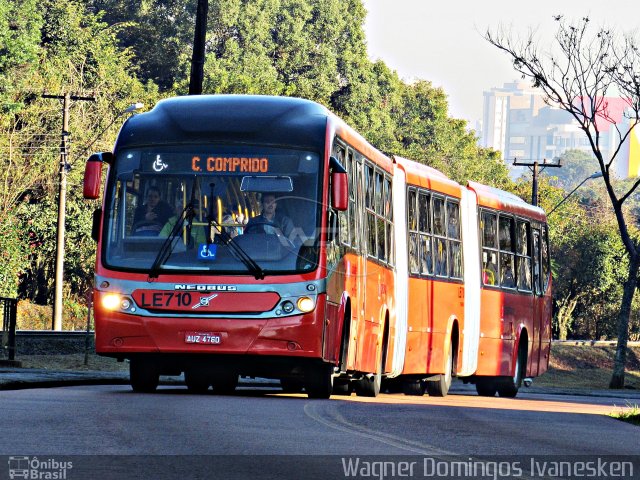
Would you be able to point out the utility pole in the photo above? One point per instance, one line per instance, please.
(535, 169)
(199, 39)
(62, 203)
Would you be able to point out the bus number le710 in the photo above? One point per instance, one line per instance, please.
(165, 299)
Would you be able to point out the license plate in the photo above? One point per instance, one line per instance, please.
(205, 338)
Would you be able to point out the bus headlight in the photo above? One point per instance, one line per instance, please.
(111, 301)
(306, 304)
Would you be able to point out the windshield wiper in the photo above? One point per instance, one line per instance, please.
(167, 246)
(236, 249)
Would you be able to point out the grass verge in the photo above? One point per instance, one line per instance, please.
(630, 415)
(587, 366)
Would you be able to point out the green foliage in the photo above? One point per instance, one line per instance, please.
(66, 49)
(20, 23)
(31, 316)
(13, 254)
(576, 166)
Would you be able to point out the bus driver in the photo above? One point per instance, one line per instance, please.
(269, 221)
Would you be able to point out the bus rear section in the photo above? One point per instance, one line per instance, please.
(515, 314)
(478, 294)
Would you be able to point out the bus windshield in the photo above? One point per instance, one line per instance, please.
(214, 208)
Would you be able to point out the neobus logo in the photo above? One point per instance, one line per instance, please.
(205, 288)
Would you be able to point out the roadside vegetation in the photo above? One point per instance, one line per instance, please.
(579, 365)
(631, 414)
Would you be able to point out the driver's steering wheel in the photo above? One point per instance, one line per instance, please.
(146, 228)
(257, 226)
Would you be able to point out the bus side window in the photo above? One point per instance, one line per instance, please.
(440, 244)
(523, 255)
(536, 262)
(412, 228)
(453, 234)
(489, 227)
(424, 226)
(546, 267)
(507, 256)
(351, 165)
(372, 244)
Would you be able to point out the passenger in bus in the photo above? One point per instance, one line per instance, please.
(270, 221)
(198, 233)
(149, 218)
(508, 279)
(229, 225)
(453, 230)
(441, 259)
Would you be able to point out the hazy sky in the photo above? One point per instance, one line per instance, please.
(441, 40)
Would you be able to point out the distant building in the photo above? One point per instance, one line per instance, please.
(518, 123)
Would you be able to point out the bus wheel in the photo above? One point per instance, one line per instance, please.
(342, 387)
(509, 386)
(486, 387)
(225, 384)
(318, 381)
(414, 387)
(290, 385)
(369, 385)
(143, 375)
(196, 381)
(440, 387)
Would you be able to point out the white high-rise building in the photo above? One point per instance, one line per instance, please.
(522, 126)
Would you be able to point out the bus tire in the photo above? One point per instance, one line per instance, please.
(143, 375)
(508, 386)
(414, 387)
(440, 387)
(196, 381)
(369, 385)
(486, 387)
(225, 384)
(318, 381)
(342, 387)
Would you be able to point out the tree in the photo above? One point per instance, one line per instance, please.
(159, 33)
(59, 47)
(576, 166)
(577, 78)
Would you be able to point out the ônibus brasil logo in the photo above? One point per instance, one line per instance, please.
(34, 468)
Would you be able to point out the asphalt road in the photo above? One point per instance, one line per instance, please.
(114, 421)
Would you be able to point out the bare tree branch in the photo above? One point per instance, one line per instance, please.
(577, 78)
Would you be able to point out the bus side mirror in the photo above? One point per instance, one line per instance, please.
(93, 174)
(339, 191)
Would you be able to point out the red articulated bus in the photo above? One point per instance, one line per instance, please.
(262, 236)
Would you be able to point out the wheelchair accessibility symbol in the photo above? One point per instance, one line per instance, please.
(207, 251)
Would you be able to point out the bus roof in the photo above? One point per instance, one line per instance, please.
(357, 141)
(243, 119)
(428, 177)
(500, 200)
